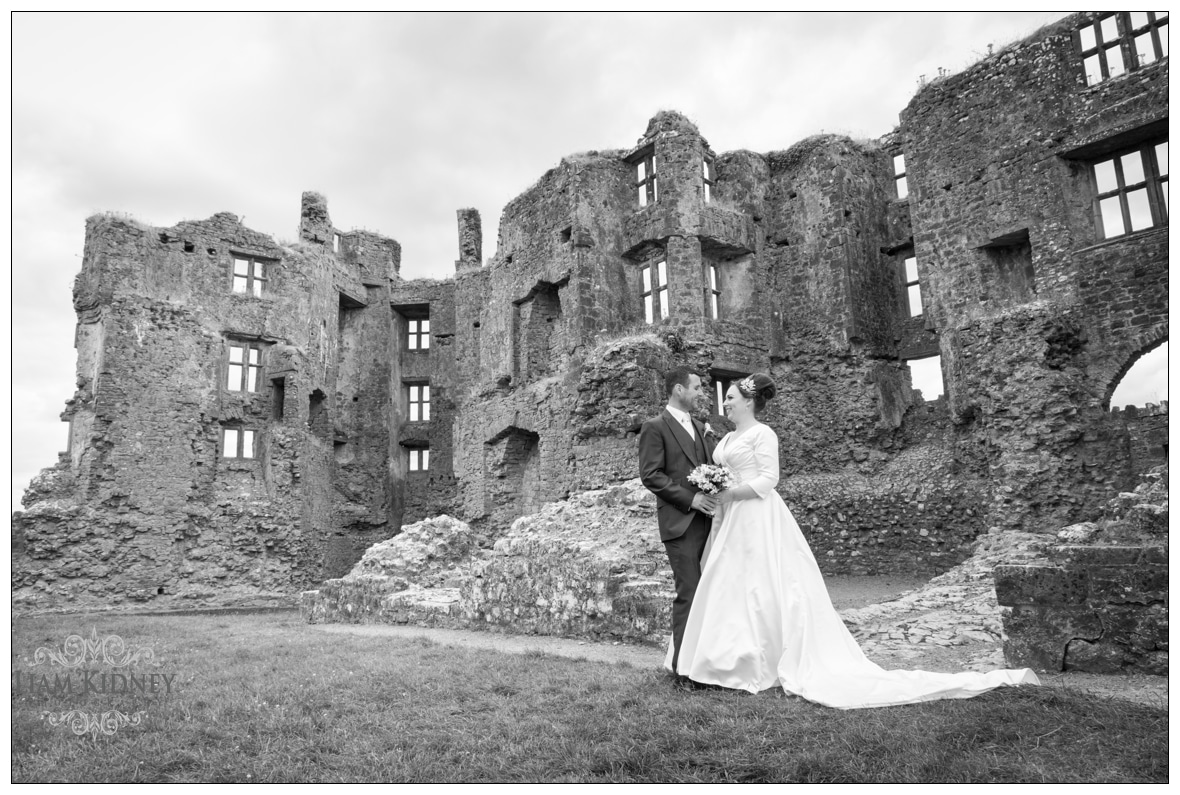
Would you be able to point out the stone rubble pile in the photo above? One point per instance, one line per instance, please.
(410, 578)
(425, 554)
(591, 566)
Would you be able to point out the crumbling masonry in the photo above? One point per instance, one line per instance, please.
(251, 416)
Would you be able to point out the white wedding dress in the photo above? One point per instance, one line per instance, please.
(762, 616)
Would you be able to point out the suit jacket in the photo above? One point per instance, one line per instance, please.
(667, 454)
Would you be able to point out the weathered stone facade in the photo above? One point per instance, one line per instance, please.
(542, 361)
(1148, 429)
(149, 503)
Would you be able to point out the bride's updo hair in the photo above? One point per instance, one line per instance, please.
(759, 387)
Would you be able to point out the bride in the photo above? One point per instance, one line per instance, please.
(762, 616)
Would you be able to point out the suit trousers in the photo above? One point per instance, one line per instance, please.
(684, 556)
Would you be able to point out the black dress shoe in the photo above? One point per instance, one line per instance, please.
(682, 682)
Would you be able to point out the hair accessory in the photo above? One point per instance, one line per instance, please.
(746, 385)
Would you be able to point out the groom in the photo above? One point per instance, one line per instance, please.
(671, 445)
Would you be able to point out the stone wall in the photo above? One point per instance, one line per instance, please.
(1037, 317)
(1147, 428)
(827, 225)
(431, 491)
(1099, 602)
(1018, 380)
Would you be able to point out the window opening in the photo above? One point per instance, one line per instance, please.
(237, 443)
(714, 292)
(655, 291)
(899, 178)
(245, 366)
(913, 289)
(418, 334)
(646, 181)
(722, 381)
(1149, 33)
(419, 459)
(926, 376)
(1132, 190)
(1123, 41)
(278, 396)
(419, 402)
(249, 276)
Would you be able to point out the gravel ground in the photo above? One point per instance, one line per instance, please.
(846, 593)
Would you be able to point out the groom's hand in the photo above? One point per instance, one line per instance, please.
(704, 503)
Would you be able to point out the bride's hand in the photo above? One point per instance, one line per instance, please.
(725, 497)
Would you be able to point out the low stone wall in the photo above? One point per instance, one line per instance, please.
(373, 601)
(1099, 601)
(914, 517)
(1099, 610)
(67, 555)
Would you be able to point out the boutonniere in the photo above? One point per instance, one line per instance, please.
(709, 430)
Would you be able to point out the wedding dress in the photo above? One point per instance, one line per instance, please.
(762, 616)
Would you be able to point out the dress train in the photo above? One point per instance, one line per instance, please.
(762, 615)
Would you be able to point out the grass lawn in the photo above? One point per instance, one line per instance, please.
(261, 698)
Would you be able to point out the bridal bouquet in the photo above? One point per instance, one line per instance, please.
(711, 478)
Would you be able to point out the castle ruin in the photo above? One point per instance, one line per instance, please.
(251, 416)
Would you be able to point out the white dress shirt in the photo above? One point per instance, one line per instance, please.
(684, 419)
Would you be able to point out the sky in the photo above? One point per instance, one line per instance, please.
(400, 119)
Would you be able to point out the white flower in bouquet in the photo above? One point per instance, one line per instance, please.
(713, 478)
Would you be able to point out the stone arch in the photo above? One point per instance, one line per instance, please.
(1123, 359)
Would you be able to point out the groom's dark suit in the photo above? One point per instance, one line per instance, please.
(667, 454)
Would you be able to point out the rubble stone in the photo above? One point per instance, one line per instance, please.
(591, 566)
